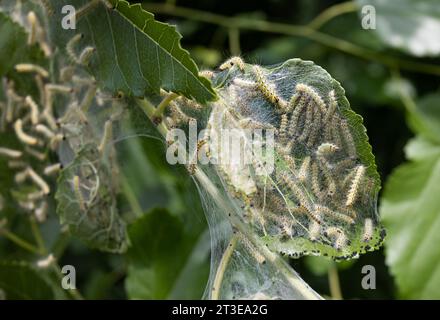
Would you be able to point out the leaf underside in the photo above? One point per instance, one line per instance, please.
(135, 54)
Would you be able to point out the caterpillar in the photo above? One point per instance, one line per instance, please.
(267, 90)
(368, 230)
(234, 61)
(107, 136)
(31, 68)
(338, 235)
(335, 215)
(326, 149)
(283, 127)
(353, 191)
(251, 249)
(38, 180)
(78, 193)
(310, 92)
(299, 103)
(41, 128)
(10, 153)
(304, 170)
(34, 109)
(32, 20)
(24, 137)
(351, 147)
(52, 169)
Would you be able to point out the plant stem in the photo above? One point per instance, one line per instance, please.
(332, 12)
(37, 235)
(19, 241)
(234, 41)
(334, 284)
(294, 30)
(131, 197)
(164, 104)
(215, 293)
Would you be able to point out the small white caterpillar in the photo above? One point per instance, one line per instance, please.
(107, 136)
(78, 193)
(354, 188)
(41, 212)
(339, 235)
(38, 180)
(41, 128)
(326, 149)
(314, 230)
(52, 169)
(10, 153)
(34, 109)
(24, 137)
(32, 20)
(368, 230)
(31, 68)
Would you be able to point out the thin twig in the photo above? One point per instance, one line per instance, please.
(215, 292)
(332, 12)
(333, 281)
(294, 30)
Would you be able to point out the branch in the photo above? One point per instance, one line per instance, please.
(293, 30)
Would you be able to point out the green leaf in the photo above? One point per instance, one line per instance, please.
(260, 97)
(88, 207)
(409, 25)
(135, 54)
(19, 281)
(425, 119)
(159, 251)
(411, 212)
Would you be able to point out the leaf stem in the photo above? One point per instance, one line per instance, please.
(234, 41)
(332, 12)
(19, 241)
(294, 30)
(216, 286)
(163, 105)
(334, 284)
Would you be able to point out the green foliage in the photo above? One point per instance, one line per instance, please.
(18, 280)
(86, 196)
(409, 25)
(411, 208)
(135, 54)
(160, 249)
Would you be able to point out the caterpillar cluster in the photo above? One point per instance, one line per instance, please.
(62, 121)
(321, 197)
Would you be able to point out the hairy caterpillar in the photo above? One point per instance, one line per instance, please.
(301, 206)
(353, 191)
(267, 90)
(234, 61)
